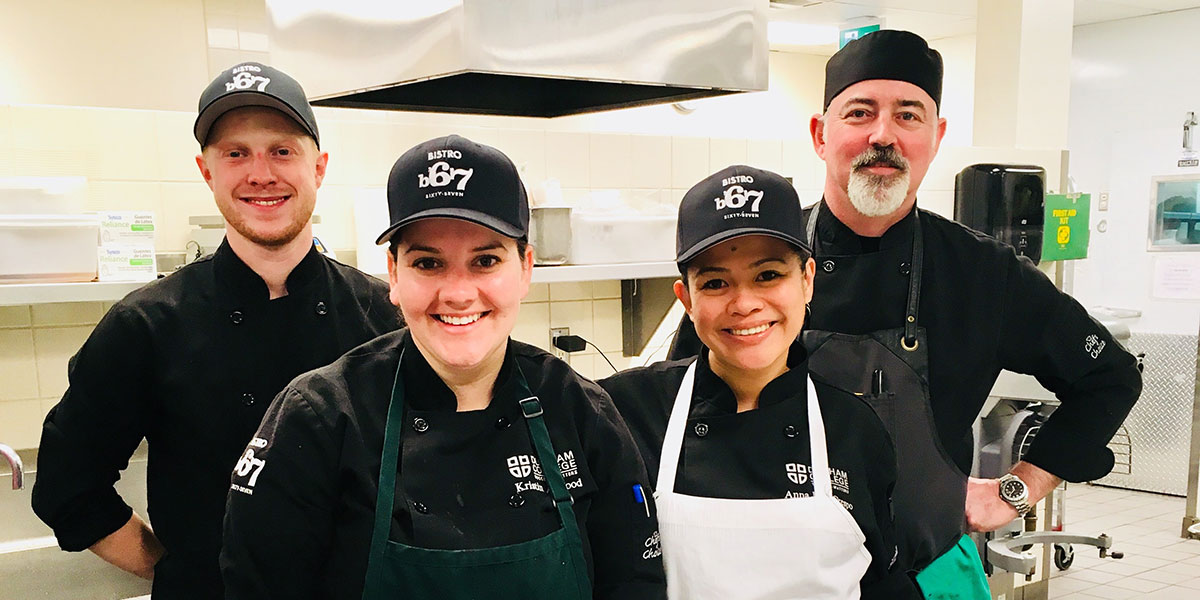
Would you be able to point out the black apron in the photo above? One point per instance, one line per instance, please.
(889, 368)
(549, 567)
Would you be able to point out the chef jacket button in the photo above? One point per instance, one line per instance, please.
(701, 429)
(516, 500)
(790, 431)
(503, 423)
(905, 268)
(421, 508)
(828, 266)
(235, 317)
(421, 425)
(321, 309)
(247, 399)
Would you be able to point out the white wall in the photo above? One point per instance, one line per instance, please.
(1132, 83)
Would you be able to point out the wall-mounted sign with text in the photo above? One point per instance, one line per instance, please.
(1066, 233)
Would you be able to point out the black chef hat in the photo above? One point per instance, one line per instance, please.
(253, 84)
(886, 54)
(733, 202)
(456, 178)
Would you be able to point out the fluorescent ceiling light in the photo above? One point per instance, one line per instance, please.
(787, 33)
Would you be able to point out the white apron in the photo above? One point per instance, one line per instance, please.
(776, 549)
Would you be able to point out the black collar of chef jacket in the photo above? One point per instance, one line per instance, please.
(836, 238)
(425, 390)
(247, 285)
(712, 396)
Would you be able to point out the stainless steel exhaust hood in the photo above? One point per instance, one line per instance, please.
(534, 58)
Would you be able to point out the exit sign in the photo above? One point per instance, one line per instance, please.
(849, 35)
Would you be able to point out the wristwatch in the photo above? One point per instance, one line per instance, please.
(1015, 492)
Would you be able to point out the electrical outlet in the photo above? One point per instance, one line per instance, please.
(554, 333)
(1103, 201)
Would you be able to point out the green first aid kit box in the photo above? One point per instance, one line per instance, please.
(1067, 228)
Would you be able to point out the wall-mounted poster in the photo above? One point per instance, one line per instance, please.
(1065, 234)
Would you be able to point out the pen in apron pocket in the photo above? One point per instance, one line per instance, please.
(640, 497)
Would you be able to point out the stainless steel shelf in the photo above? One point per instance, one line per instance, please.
(41, 293)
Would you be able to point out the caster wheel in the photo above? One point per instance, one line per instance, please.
(1064, 555)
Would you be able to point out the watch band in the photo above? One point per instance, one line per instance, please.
(1021, 504)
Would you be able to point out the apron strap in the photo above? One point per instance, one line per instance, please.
(668, 464)
(909, 341)
(818, 447)
(388, 467)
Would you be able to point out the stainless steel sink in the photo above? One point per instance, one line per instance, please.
(32, 567)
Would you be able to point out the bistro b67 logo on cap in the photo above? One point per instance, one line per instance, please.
(441, 174)
(244, 78)
(453, 177)
(747, 200)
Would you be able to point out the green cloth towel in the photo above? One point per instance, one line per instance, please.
(955, 575)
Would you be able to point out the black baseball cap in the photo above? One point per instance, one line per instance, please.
(886, 54)
(254, 84)
(736, 201)
(453, 177)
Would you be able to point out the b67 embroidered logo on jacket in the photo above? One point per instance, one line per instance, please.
(250, 466)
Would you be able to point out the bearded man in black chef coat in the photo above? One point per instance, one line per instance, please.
(190, 362)
(920, 314)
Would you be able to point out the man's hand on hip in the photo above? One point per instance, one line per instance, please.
(986, 510)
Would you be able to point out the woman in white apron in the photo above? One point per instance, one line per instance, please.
(770, 486)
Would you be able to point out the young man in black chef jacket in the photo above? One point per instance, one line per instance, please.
(190, 362)
(940, 309)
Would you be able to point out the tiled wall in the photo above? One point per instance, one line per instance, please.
(37, 341)
(35, 344)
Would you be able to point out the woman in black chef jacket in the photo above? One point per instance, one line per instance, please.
(769, 485)
(445, 460)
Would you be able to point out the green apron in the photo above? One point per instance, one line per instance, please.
(955, 575)
(548, 567)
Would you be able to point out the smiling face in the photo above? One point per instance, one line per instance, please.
(746, 297)
(459, 286)
(877, 139)
(264, 171)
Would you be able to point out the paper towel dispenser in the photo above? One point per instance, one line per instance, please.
(1006, 202)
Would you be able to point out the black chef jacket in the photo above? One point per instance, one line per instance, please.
(754, 454)
(985, 310)
(300, 526)
(190, 362)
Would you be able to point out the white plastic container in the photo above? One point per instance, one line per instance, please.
(26, 195)
(606, 238)
(48, 248)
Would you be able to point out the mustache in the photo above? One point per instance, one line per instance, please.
(885, 156)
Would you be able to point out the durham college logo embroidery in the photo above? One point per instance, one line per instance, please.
(244, 78)
(522, 466)
(737, 197)
(797, 473)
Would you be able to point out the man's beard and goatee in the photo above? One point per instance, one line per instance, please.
(878, 195)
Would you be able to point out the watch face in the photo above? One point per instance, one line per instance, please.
(1012, 490)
